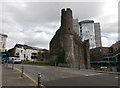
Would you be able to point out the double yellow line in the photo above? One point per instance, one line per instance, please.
(30, 78)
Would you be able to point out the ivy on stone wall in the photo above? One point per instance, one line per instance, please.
(61, 57)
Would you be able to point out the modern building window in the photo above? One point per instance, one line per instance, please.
(80, 27)
(80, 24)
(81, 37)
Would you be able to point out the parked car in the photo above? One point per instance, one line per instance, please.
(103, 68)
(14, 60)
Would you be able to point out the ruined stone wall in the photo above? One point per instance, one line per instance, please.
(68, 41)
(86, 54)
(55, 46)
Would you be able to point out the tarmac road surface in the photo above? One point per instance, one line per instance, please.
(59, 76)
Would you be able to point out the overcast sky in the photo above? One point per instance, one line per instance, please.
(35, 23)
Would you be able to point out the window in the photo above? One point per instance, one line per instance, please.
(80, 27)
(17, 54)
(4, 45)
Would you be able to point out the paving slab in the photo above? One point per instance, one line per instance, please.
(12, 78)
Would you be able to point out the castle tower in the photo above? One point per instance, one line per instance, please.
(66, 46)
(67, 20)
(67, 38)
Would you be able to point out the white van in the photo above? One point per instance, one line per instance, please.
(14, 60)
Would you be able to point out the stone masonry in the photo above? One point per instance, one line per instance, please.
(67, 41)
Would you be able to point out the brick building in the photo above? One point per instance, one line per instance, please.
(97, 54)
(109, 56)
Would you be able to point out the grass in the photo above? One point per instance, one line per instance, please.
(38, 63)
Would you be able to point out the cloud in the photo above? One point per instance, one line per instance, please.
(106, 42)
(50, 28)
(35, 23)
(30, 38)
(10, 25)
(36, 13)
(109, 39)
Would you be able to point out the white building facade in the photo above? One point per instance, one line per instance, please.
(87, 32)
(26, 54)
(3, 39)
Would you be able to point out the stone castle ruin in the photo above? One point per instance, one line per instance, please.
(66, 46)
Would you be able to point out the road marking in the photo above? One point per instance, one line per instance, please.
(27, 76)
(86, 75)
(93, 74)
(30, 78)
(116, 77)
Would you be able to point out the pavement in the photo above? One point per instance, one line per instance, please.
(11, 78)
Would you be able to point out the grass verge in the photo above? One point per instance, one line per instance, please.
(38, 63)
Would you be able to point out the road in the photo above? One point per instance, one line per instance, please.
(59, 76)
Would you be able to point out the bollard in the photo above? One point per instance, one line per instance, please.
(12, 65)
(39, 80)
(7, 63)
(79, 67)
(22, 70)
(3, 63)
(55, 63)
